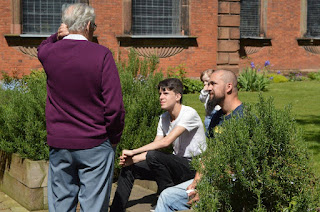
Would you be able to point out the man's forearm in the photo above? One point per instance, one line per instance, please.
(140, 157)
(158, 144)
(161, 142)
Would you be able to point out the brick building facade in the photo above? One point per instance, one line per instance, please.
(209, 35)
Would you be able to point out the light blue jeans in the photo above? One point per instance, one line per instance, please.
(80, 175)
(174, 198)
(208, 118)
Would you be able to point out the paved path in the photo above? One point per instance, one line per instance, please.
(140, 200)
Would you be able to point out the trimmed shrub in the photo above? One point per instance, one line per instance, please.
(257, 163)
(314, 75)
(277, 78)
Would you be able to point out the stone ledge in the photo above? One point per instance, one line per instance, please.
(147, 184)
(31, 199)
(33, 174)
(25, 181)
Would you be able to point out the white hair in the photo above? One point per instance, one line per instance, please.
(77, 16)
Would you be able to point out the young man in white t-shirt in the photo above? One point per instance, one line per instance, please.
(180, 126)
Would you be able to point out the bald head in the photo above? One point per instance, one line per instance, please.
(228, 77)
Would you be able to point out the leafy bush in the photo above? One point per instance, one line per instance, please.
(293, 76)
(141, 100)
(22, 116)
(277, 78)
(190, 85)
(252, 80)
(257, 163)
(314, 75)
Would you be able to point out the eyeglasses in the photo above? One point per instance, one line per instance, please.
(94, 27)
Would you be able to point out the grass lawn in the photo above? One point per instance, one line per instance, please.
(304, 97)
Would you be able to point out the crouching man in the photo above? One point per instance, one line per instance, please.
(179, 126)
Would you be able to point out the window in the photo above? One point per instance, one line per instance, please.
(42, 16)
(156, 17)
(156, 27)
(313, 18)
(250, 18)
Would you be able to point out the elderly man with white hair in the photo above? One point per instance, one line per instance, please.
(84, 113)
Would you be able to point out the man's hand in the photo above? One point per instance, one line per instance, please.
(193, 194)
(193, 185)
(127, 153)
(193, 197)
(125, 161)
(62, 31)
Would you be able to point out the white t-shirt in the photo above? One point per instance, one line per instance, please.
(192, 141)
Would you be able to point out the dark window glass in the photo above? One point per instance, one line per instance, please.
(313, 18)
(156, 17)
(42, 16)
(250, 18)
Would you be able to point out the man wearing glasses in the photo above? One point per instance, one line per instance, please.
(84, 113)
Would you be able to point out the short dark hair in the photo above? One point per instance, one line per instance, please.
(172, 84)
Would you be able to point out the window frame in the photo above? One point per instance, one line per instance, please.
(263, 21)
(304, 21)
(151, 19)
(17, 19)
(310, 44)
(127, 19)
(56, 18)
(127, 39)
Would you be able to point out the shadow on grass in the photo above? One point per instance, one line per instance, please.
(310, 119)
(311, 133)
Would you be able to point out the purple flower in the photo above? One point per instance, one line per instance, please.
(252, 65)
(278, 72)
(259, 70)
(267, 63)
(271, 78)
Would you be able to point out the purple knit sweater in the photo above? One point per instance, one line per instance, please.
(84, 100)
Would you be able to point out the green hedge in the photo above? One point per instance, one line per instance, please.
(190, 85)
(22, 116)
(139, 81)
(314, 75)
(257, 163)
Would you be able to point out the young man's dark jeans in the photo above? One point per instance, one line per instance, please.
(166, 169)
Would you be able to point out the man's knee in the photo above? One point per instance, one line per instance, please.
(166, 195)
(152, 156)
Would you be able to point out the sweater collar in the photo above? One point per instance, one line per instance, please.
(75, 37)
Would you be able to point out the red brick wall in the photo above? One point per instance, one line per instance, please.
(283, 27)
(12, 59)
(203, 22)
